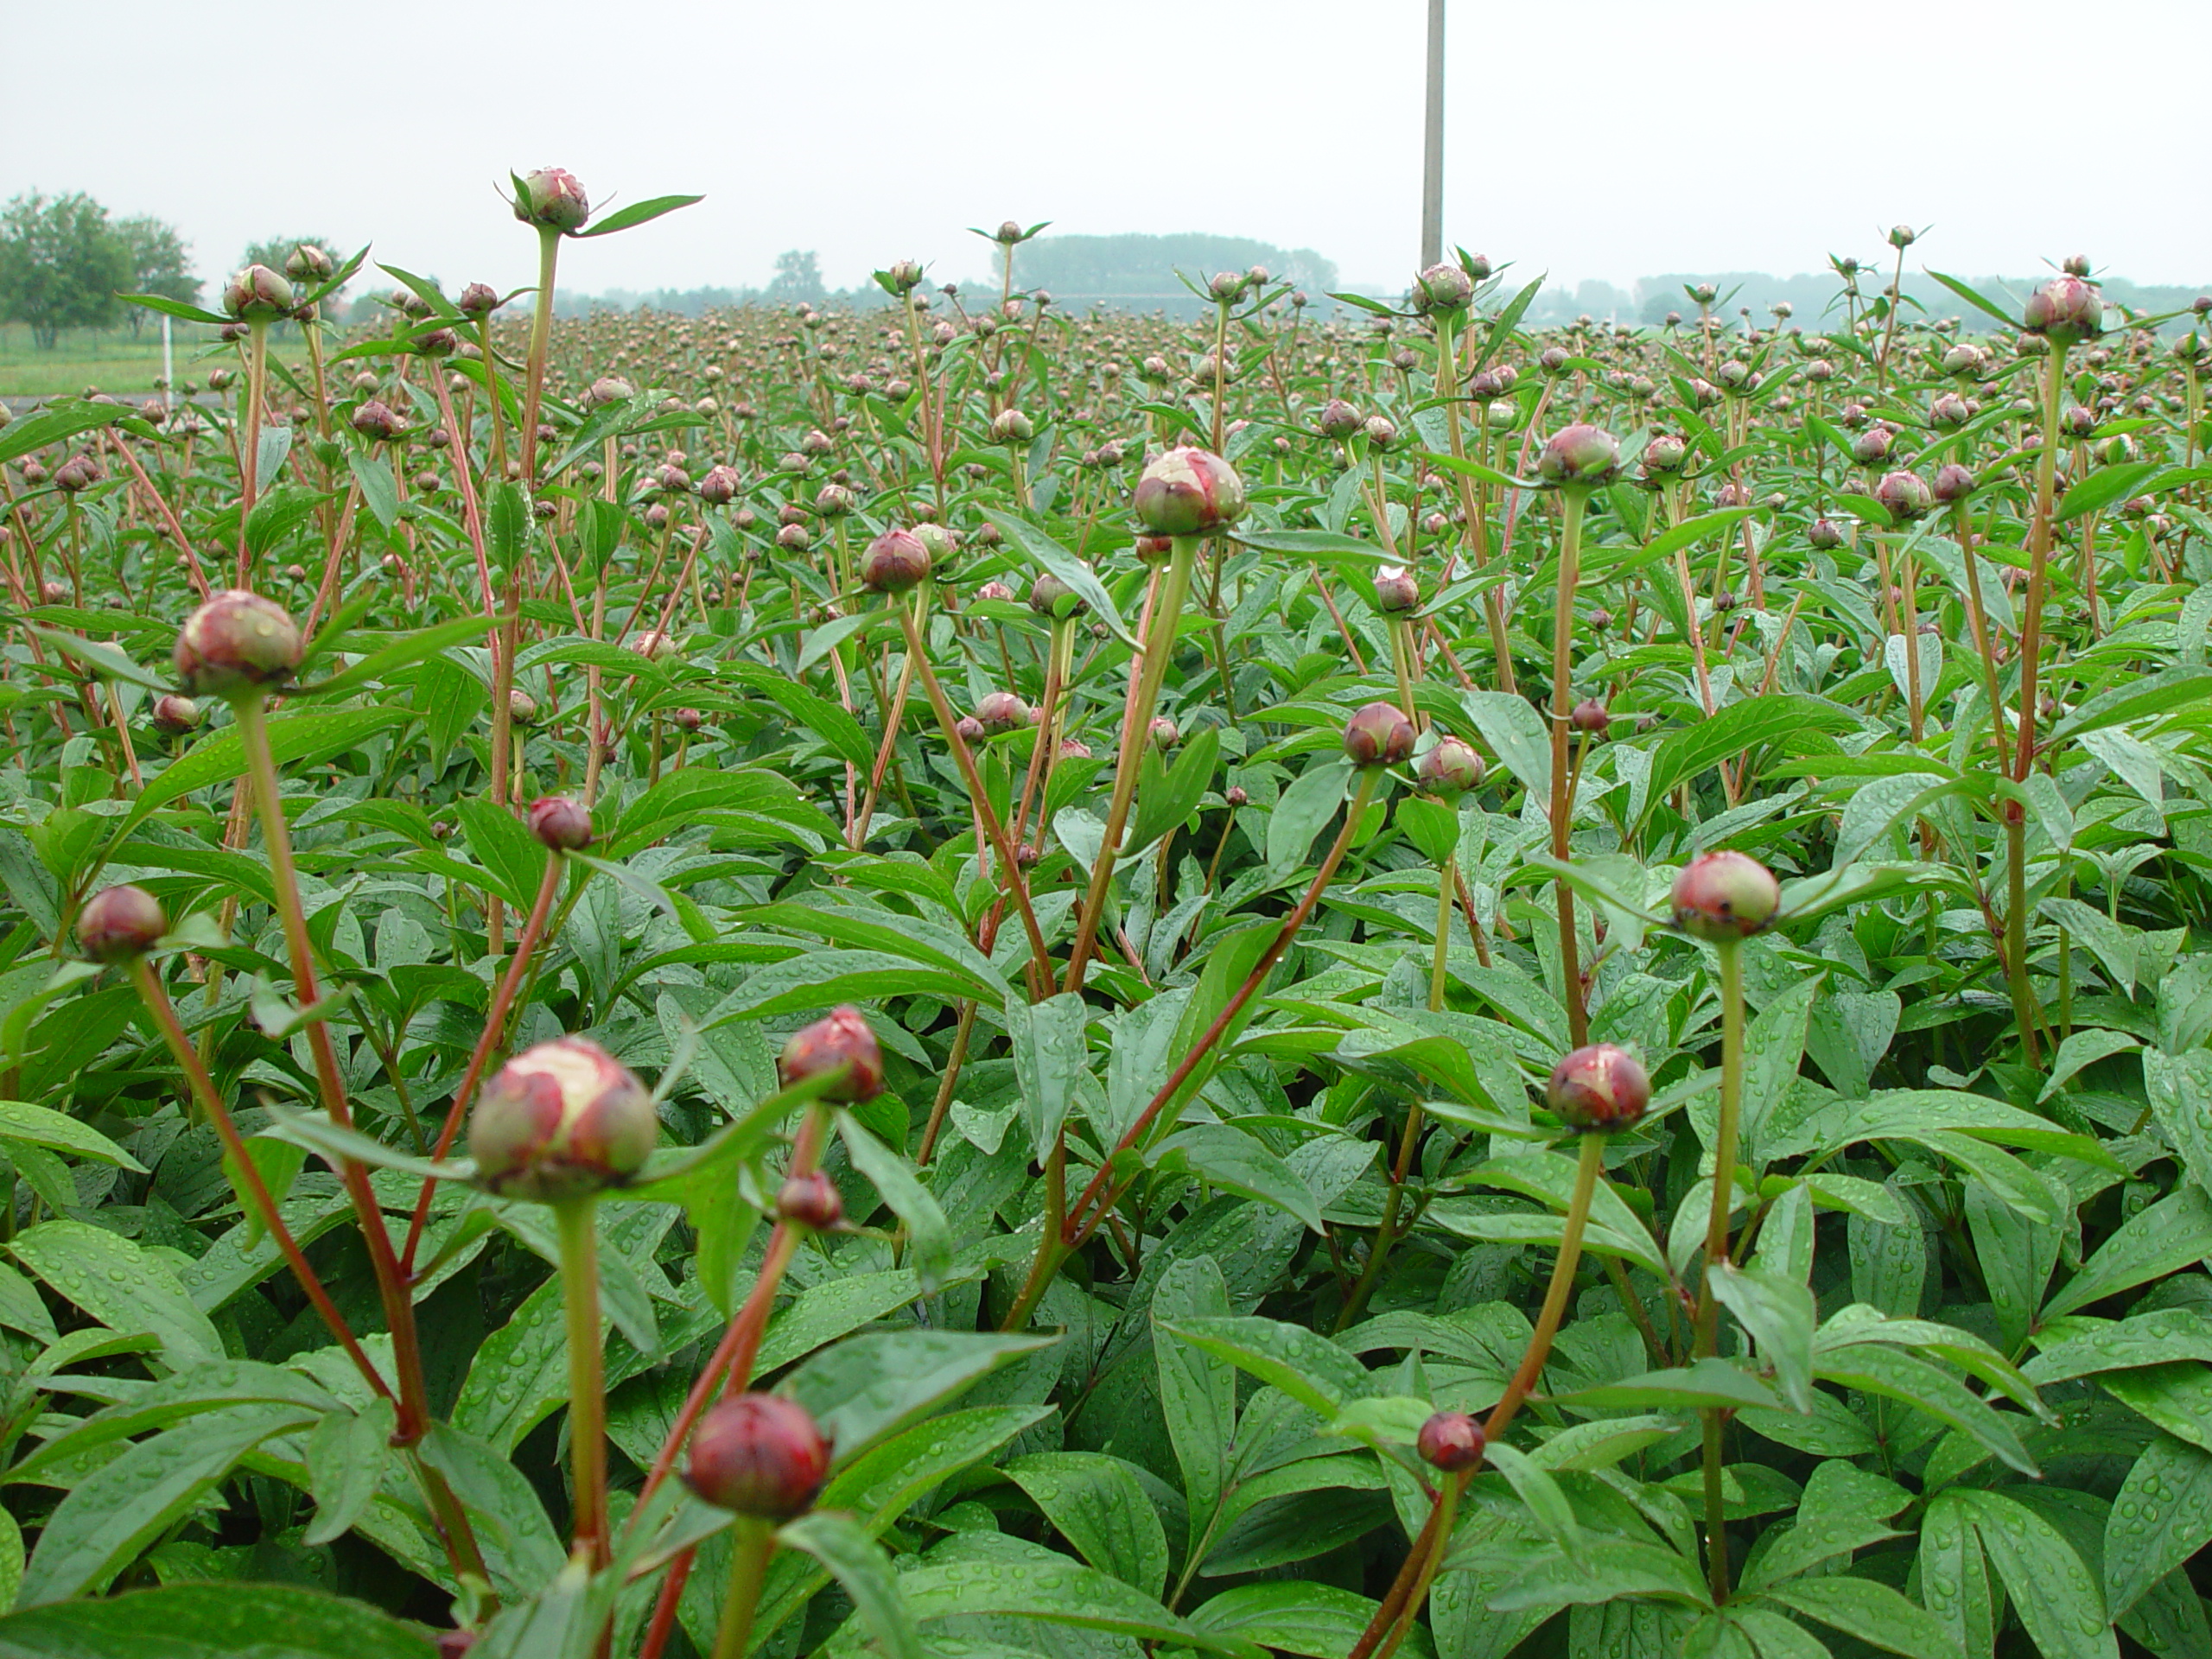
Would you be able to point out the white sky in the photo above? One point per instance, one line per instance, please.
(1641, 137)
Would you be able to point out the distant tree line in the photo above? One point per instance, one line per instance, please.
(1814, 297)
(65, 262)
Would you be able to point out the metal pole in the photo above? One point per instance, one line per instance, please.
(1432, 174)
(168, 366)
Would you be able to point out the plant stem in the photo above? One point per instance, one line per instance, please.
(753, 1543)
(392, 1287)
(1158, 647)
(1716, 1243)
(576, 1221)
(257, 387)
(541, 336)
(1562, 803)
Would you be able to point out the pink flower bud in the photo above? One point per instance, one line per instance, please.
(561, 822)
(1598, 1088)
(1725, 895)
(552, 197)
(1579, 455)
(1451, 768)
(894, 561)
(2065, 310)
(235, 641)
(840, 1040)
(119, 923)
(560, 1121)
(812, 1201)
(1189, 492)
(1378, 735)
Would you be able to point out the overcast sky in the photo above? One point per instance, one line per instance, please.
(1609, 138)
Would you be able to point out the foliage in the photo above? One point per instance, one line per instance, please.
(1155, 1259)
(62, 264)
(160, 263)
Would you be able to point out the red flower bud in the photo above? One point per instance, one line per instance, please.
(894, 561)
(1396, 589)
(561, 822)
(841, 1038)
(1189, 492)
(1339, 419)
(119, 923)
(1725, 895)
(1905, 494)
(810, 1201)
(1450, 1441)
(1378, 735)
(1952, 483)
(559, 1120)
(236, 640)
(1597, 1088)
(1589, 717)
(761, 1455)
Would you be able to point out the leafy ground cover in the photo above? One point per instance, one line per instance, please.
(968, 981)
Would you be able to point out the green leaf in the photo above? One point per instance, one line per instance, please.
(104, 1521)
(1908, 1378)
(1795, 724)
(219, 758)
(55, 422)
(2008, 321)
(1295, 1616)
(875, 1384)
(1050, 1054)
(1058, 1591)
(1874, 1613)
(2177, 1397)
(2163, 1239)
(378, 666)
(1197, 1390)
(21, 1121)
(1515, 733)
(1302, 812)
(1310, 1368)
(1165, 805)
(2054, 1593)
(2106, 485)
(1603, 1572)
(2162, 1517)
(927, 1230)
(347, 1455)
(1702, 1383)
(211, 1620)
(1042, 549)
(216, 1386)
(1229, 1158)
(120, 1286)
(1097, 1503)
(1843, 1508)
(1547, 1504)
(638, 213)
(859, 1564)
(1777, 1313)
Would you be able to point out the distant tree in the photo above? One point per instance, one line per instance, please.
(799, 276)
(160, 263)
(61, 265)
(1148, 270)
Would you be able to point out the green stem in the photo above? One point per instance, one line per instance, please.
(541, 337)
(754, 1543)
(1158, 647)
(1562, 803)
(1716, 1243)
(576, 1221)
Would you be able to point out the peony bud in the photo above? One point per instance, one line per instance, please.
(1725, 895)
(561, 823)
(173, 715)
(1452, 1441)
(1049, 596)
(2065, 310)
(119, 923)
(894, 561)
(840, 1040)
(1871, 447)
(258, 295)
(1905, 495)
(1824, 534)
(236, 640)
(759, 1455)
(1396, 590)
(378, 422)
(478, 300)
(810, 1201)
(562, 1120)
(1002, 711)
(552, 199)
(1011, 426)
(1579, 455)
(1589, 717)
(1598, 1088)
(1378, 735)
(1189, 492)
(1337, 419)
(1952, 483)
(1451, 768)
(1443, 287)
(720, 487)
(1166, 734)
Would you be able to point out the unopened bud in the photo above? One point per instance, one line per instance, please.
(840, 1040)
(1598, 1088)
(560, 1121)
(119, 923)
